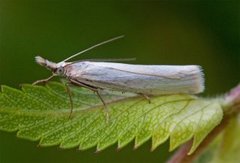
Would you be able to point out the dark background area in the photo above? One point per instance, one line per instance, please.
(156, 32)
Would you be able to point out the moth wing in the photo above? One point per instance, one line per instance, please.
(167, 71)
(147, 79)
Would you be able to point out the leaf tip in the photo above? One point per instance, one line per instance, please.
(153, 147)
(97, 151)
(5, 87)
(119, 148)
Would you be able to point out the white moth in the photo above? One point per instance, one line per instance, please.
(140, 79)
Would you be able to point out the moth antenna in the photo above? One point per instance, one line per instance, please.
(92, 47)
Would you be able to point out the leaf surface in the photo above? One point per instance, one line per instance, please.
(42, 113)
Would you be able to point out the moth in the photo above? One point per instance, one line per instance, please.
(145, 80)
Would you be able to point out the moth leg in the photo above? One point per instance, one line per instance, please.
(96, 90)
(70, 98)
(76, 83)
(104, 104)
(146, 97)
(44, 80)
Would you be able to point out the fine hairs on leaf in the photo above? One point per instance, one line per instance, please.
(41, 113)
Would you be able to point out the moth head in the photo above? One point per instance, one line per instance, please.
(56, 68)
(46, 63)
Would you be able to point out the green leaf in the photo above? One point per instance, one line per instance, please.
(42, 113)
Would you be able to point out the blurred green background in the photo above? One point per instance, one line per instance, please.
(156, 32)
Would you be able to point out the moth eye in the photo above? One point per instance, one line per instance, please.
(60, 70)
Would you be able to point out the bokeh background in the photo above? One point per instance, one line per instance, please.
(156, 32)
